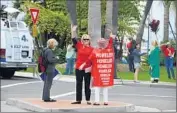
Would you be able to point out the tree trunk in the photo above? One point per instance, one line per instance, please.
(166, 21)
(44, 37)
(94, 21)
(111, 23)
(111, 17)
(142, 23)
(71, 6)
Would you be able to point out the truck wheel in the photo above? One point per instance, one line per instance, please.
(8, 74)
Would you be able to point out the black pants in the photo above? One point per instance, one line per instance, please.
(80, 74)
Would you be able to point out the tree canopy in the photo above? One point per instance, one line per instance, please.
(54, 19)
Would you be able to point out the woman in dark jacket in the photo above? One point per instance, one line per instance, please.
(51, 60)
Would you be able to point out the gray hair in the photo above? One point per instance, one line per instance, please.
(52, 41)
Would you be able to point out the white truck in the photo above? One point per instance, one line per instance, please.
(16, 47)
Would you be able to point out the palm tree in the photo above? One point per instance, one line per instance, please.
(111, 23)
(111, 17)
(71, 6)
(142, 23)
(167, 4)
(94, 21)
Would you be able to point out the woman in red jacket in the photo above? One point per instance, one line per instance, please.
(83, 51)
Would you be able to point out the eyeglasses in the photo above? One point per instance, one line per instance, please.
(86, 39)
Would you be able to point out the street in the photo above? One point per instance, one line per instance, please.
(27, 87)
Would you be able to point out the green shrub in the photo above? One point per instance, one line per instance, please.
(144, 60)
(61, 53)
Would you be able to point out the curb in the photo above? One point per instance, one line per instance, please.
(145, 84)
(67, 78)
(146, 109)
(150, 85)
(35, 108)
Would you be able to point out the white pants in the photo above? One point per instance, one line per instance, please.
(97, 94)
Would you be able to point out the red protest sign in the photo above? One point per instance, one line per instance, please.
(102, 67)
(34, 14)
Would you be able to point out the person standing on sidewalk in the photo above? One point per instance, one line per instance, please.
(70, 59)
(51, 60)
(131, 46)
(137, 59)
(154, 62)
(83, 52)
(116, 56)
(169, 52)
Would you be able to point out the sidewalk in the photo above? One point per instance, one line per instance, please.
(37, 105)
(71, 78)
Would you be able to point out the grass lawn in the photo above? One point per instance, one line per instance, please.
(143, 75)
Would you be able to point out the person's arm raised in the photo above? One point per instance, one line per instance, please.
(74, 35)
(111, 38)
(73, 32)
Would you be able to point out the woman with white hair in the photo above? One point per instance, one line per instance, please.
(83, 51)
(50, 60)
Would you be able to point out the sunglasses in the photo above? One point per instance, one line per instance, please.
(86, 39)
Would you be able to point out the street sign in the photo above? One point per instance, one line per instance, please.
(34, 14)
(34, 30)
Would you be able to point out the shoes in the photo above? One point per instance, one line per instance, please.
(105, 104)
(155, 81)
(77, 102)
(89, 103)
(96, 104)
(51, 100)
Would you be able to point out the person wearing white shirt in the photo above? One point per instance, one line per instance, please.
(70, 59)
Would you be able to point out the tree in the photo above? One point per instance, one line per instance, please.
(111, 17)
(17, 3)
(94, 21)
(82, 16)
(167, 4)
(128, 15)
(142, 23)
(3, 14)
(71, 6)
(59, 22)
(111, 23)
